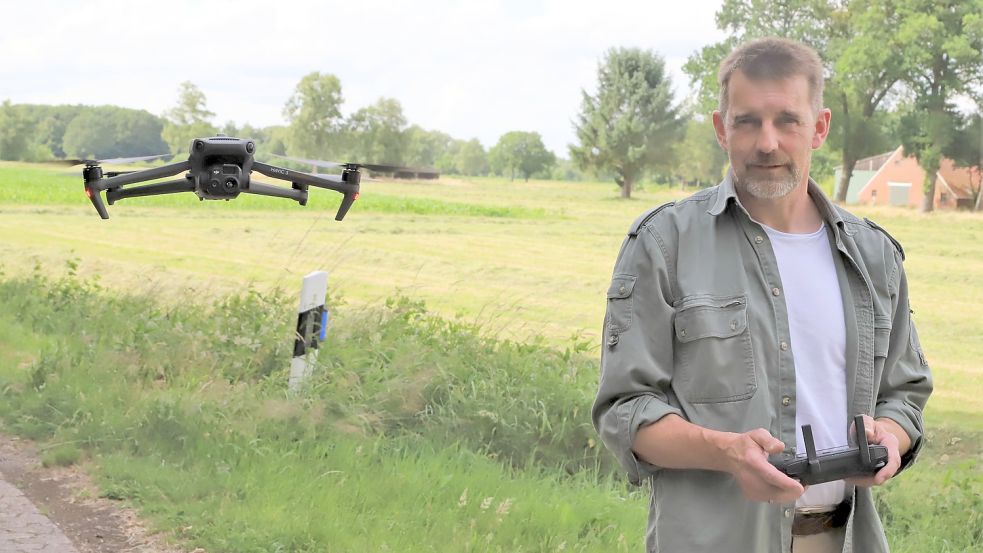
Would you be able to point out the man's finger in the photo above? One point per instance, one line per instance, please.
(781, 481)
(767, 442)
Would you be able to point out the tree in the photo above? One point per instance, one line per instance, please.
(110, 131)
(51, 122)
(376, 133)
(314, 116)
(16, 134)
(867, 65)
(630, 125)
(701, 159)
(967, 151)
(471, 158)
(520, 151)
(423, 147)
(188, 119)
(944, 59)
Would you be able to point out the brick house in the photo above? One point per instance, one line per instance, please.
(892, 179)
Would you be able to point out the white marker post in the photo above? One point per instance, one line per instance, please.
(312, 323)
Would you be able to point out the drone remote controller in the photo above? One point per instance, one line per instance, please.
(834, 464)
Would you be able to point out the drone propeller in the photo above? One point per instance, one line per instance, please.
(369, 166)
(113, 161)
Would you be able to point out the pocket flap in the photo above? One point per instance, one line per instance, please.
(621, 286)
(714, 318)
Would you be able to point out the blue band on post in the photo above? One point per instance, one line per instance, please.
(324, 324)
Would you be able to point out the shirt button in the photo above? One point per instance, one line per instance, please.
(788, 513)
(786, 401)
(733, 325)
(682, 332)
(758, 239)
(621, 290)
(613, 340)
(776, 291)
(784, 346)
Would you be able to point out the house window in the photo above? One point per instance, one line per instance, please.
(943, 198)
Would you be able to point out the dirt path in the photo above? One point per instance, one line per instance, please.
(58, 510)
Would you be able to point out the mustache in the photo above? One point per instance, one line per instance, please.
(769, 160)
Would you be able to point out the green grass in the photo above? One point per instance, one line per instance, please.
(161, 364)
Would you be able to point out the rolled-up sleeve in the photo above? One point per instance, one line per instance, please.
(906, 381)
(637, 351)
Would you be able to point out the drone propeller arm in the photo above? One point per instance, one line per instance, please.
(140, 176)
(347, 183)
(169, 187)
(263, 189)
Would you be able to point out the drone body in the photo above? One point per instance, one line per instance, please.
(218, 168)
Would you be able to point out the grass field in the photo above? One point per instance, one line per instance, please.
(527, 262)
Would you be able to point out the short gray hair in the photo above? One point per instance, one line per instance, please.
(773, 58)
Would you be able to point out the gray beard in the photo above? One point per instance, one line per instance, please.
(770, 189)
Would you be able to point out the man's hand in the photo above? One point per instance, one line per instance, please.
(747, 460)
(881, 432)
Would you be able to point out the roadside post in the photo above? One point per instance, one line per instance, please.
(312, 326)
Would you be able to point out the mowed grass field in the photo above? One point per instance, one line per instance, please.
(523, 261)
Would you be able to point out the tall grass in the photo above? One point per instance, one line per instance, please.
(417, 433)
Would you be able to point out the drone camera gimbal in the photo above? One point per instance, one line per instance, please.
(218, 168)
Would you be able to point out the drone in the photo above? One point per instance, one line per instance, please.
(220, 168)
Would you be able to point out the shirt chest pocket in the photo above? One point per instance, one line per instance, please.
(714, 359)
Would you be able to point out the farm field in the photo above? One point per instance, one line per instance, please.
(524, 262)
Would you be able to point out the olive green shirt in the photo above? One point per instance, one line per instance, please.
(697, 325)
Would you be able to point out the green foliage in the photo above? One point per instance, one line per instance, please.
(522, 152)
(15, 133)
(807, 21)
(471, 158)
(423, 148)
(701, 159)
(110, 131)
(314, 116)
(61, 455)
(376, 133)
(184, 409)
(415, 431)
(51, 123)
(944, 58)
(628, 128)
(188, 119)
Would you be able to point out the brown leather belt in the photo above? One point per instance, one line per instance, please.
(809, 523)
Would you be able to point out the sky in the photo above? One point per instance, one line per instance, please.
(472, 69)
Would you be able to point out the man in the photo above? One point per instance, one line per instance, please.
(747, 310)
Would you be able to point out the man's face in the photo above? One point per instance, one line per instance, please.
(769, 133)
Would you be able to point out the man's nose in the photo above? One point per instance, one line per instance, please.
(767, 138)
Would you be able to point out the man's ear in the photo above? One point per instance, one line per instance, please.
(821, 128)
(720, 129)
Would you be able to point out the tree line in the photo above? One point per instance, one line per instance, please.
(895, 70)
(316, 129)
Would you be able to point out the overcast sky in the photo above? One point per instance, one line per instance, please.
(470, 68)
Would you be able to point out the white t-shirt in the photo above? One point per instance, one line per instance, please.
(818, 345)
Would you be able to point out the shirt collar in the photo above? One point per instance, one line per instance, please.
(726, 191)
